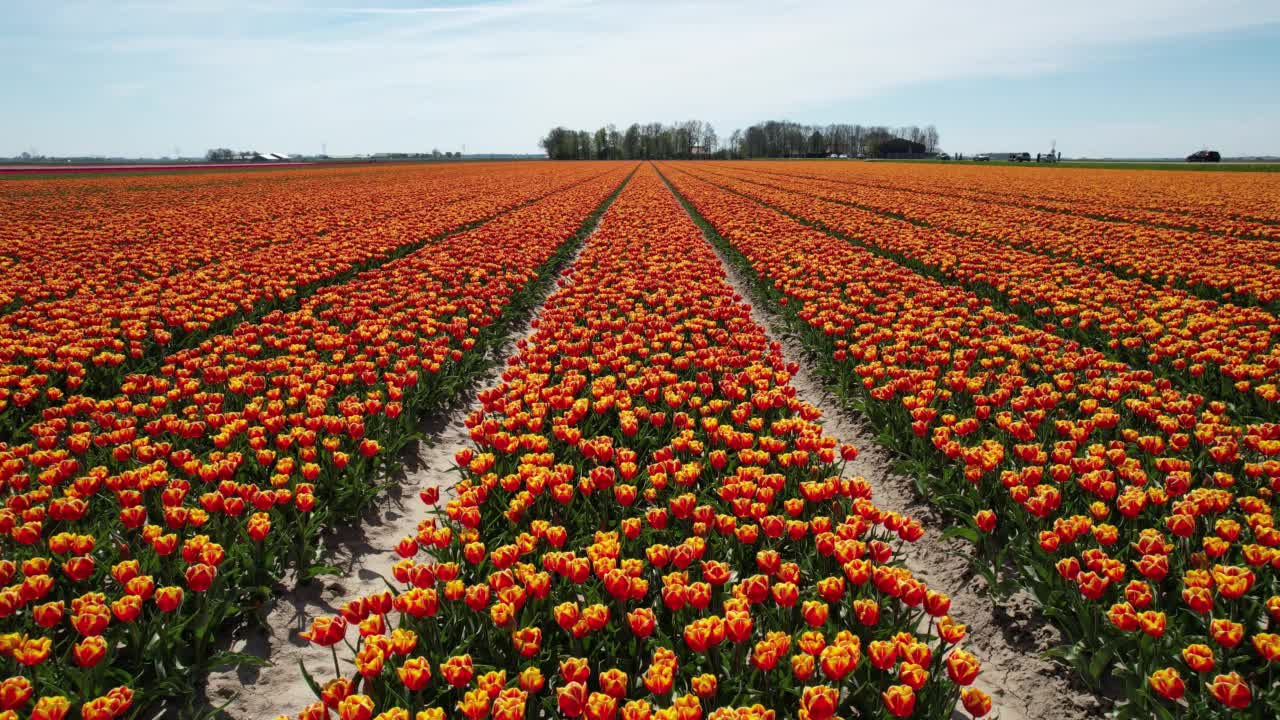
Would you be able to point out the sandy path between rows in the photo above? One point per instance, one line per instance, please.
(1007, 638)
(365, 551)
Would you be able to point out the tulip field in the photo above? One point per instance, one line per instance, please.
(204, 377)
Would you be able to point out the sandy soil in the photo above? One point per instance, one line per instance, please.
(1008, 637)
(365, 551)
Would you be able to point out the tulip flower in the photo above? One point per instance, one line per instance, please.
(819, 701)
(899, 700)
(1231, 690)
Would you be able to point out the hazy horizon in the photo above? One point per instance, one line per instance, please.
(1136, 79)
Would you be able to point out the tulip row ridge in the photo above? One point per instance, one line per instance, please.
(650, 523)
(1138, 517)
(141, 532)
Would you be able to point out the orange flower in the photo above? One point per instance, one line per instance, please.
(531, 679)
(259, 526)
(326, 631)
(415, 673)
(704, 685)
(802, 667)
(90, 620)
(457, 670)
(601, 707)
(370, 660)
(883, 654)
(356, 707)
(1268, 646)
(34, 651)
(15, 692)
(814, 612)
(659, 679)
(867, 611)
(785, 594)
(899, 700)
(977, 702)
(837, 661)
(1226, 633)
(1152, 623)
(527, 641)
(48, 614)
(1167, 683)
(1198, 657)
(642, 622)
(963, 668)
(200, 577)
(637, 710)
(819, 702)
(613, 682)
(403, 641)
(936, 604)
(913, 675)
(950, 630)
(107, 707)
(127, 608)
(89, 651)
(567, 614)
(575, 670)
(51, 708)
(335, 691)
(571, 698)
(474, 704)
(1231, 690)
(1232, 582)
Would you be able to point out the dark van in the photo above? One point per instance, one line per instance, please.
(1204, 156)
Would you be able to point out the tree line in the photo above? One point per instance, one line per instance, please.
(698, 139)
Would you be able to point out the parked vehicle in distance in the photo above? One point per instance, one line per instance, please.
(1020, 157)
(1205, 156)
(982, 158)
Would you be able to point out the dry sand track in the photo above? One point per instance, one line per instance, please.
(365, 553)
(1007, 638)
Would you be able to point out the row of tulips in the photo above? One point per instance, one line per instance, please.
(88, 236)
(1140, 517)
(1215, 267)
(1230, 204)
(649, 523)
(137, 528)
(94, 235)
(88, 342)
(1225, 351)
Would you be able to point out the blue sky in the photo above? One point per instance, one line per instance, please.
(1116, 78)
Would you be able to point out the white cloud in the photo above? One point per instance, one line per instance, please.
(496, 75)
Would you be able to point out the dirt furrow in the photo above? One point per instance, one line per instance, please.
(363, 551)
(1008, 637)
